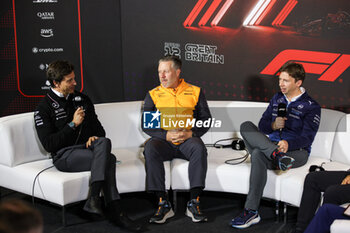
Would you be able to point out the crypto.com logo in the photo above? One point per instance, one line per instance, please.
(329, 65)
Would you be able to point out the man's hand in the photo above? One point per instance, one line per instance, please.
(283, 146)
(278, 123)
(178, 136)
(90, 140)
(184, 134)
(346, 180)
(78, 116)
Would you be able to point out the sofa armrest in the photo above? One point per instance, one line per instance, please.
(340, 226)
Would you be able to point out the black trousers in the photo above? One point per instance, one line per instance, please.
(97, 158)
(158, 150)
(315, 183)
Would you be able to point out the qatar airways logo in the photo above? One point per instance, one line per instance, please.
(46, 15)
(329, 65)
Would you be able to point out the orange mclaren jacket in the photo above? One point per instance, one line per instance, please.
(178, 107)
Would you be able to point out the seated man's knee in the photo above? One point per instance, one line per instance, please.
(104, 140)
(311, 178)
(246, 126)
(256, 154)
(197, 144)
(332, 195)
(152, 147)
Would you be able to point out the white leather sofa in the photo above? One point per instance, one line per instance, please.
(22, 157)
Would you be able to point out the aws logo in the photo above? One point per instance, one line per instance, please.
(329, 65)
(46, 32)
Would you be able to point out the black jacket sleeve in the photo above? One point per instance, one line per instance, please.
(51, 138)
(202, 113)
(94, 124)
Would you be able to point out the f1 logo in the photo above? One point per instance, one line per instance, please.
(330, 65)
(208, 14)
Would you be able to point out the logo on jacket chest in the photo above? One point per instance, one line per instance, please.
(60, 114)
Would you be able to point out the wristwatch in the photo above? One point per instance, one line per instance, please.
(71, 124)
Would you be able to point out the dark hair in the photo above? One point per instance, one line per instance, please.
(294, 69)
(57, 70)
(177, 63)
(16, 216)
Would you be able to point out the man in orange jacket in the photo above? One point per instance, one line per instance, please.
(180, 106)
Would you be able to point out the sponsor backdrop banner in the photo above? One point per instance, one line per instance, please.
(45, 31)
(231, 48)
(36, 32)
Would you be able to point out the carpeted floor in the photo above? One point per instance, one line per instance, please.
(219, 207)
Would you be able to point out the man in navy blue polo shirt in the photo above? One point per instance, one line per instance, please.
(289, 139)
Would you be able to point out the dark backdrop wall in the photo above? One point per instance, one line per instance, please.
(86, 32)
(227, 48)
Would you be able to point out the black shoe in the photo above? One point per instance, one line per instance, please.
(163, 212)
(194, 212)
(93, 205)
(123, 221)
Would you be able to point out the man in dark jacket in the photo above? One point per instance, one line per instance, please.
(69, 129)
(333, 186)
(289, 140)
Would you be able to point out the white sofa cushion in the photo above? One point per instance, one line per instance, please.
(52, 185)
(292, 182)
(18, 140)
(324, 139)
(340, 226)
(232, 114)
(67, 187)
(224, 177)
(122, 123)
(341, 145)
(131, 174)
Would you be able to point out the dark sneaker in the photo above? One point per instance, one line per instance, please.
(163, 212)
(246, 219)
(282, 161)
(194, 212)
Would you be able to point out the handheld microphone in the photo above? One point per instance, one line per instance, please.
(281, 112)
(78, 102)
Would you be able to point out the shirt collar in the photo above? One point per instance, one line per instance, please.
(59, 94)
(302, 89)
